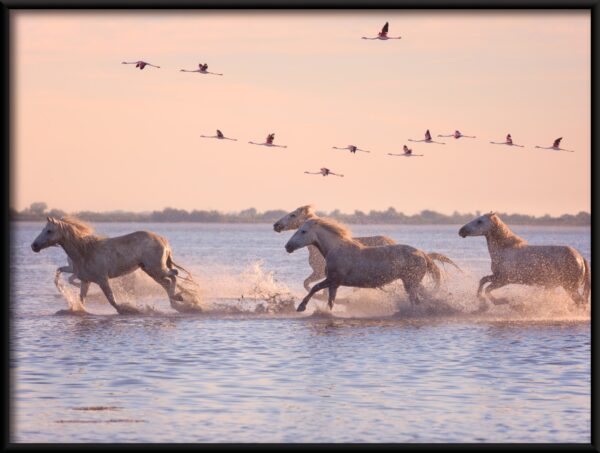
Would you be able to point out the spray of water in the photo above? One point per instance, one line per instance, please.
(219, 290)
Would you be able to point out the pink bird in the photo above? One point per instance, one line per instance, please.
(507, 142)
(382, 35)
(427, 139)
(269, 142)
(202, 69)
(352, 149)
(457, 134)
(407, 153)
(140, 64)
(324, 171)
(219, 136)
(556, 146)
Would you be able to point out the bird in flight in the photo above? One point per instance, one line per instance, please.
(457, 134)
(382, 35)
(507, 142)
(202, 69)
(269, 142)
(427, 139)
(556, 146)
(140, 64)
(352, 149)
(220, 136)
(407, 153)
(324, 171)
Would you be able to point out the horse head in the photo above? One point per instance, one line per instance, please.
(50, 235)
(294, 219)
(303, 237)
(478, 227)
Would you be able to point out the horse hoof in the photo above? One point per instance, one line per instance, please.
(127, 310)
(178, 297)
(301, 307)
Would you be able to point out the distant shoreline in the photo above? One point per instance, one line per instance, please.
(38, 212)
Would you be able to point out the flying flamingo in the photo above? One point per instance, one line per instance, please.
(508, 142)
(352, 149)
(140, 64)
(202, 69)
(220, 136)
(269, 142)
(556, 146)
(427, 139)
(407, 153)
(457, 134)
(383, 34)
(324, 171)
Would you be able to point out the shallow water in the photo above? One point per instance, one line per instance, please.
(253, 370)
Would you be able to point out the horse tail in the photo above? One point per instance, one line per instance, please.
(434, 271)
(171, 263)
(587, 281)
(443, 259)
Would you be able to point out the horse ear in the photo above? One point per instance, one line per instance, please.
(50, 219)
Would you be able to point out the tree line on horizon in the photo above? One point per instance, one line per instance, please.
(39, 211)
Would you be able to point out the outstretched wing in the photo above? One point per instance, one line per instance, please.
(385, 27)
(427, 135)
(556, 143)
(219, 134)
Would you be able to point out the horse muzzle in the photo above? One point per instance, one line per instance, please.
(289, 248)
(36, 248)
(277, 227)
(462, 232)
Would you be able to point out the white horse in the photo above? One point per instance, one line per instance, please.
(350, 263)
(516, 262)
(97, 259)
(316, 260)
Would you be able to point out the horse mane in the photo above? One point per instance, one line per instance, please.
(78, 233)
(307, 209)
(335, 227)
(503, 234)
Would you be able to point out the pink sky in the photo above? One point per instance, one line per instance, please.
(92, 134)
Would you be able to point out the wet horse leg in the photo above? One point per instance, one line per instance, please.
(573, 293)
(483, 281)
(167, 281)
(495, 285)
(83, 290)
(319, 286)
(331, 297)
(105, 287)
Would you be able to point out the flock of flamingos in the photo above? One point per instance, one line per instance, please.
(335, 256)
(407, 152)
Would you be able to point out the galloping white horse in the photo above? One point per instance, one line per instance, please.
(97, 259)
(350, 263)
(515, 261)
(316, 260)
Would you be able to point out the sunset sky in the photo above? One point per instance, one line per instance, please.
(92, 134)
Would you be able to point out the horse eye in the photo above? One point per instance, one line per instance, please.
(293, 215)
(303, 232)
(48, 232)
(479, 221)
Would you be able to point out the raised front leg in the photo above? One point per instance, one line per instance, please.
(319, 286)
(122, 310)
(483, 281)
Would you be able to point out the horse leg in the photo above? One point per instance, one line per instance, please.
(331, 297)
(319, 286)
(167, 281)
(83, 290)
(413, 292)
(573, 293)
(122, 310)
(495, 285)
(72, 281)
(314, 277)
(483, 281)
